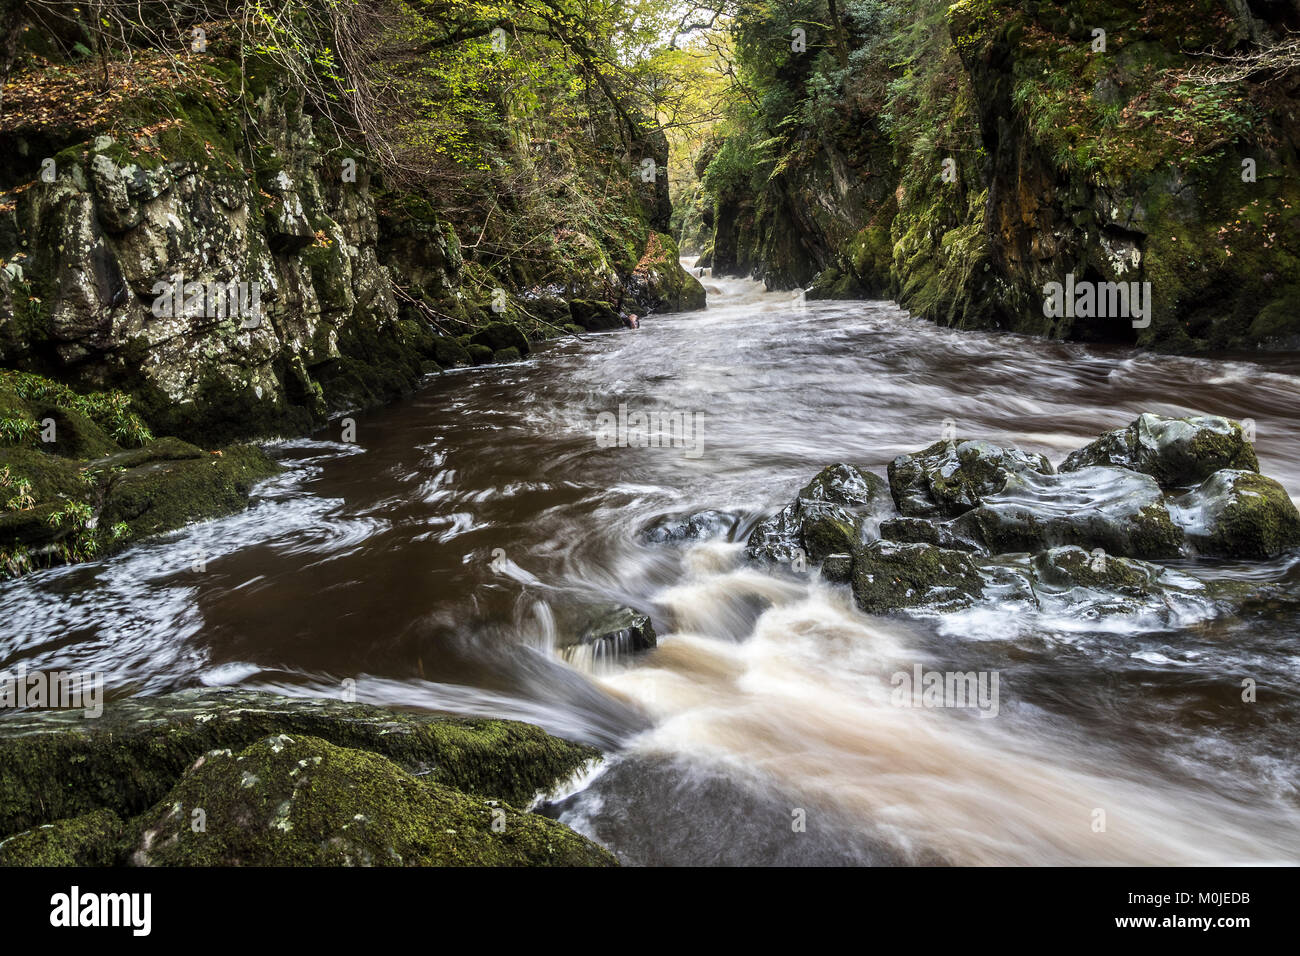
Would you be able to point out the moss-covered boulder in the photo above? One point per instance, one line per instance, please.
(827, 517)
(57, 764)
(888, 576)
(448, 353)
(660, 283)
(1176, 452)
(594, 316)
(1072, 567)
(302, 801)
(501, 335)
(951, 477)
(503, 356)
(479, 354)
(91, 478)
(168, 493)
(1120, 511)
(1238, 514)
(99, 838)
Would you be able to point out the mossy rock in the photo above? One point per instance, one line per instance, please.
(1071, 567)
(99, 838)
(507, 355)
(595, 316)
(888, 576)
(1176, 452)
(573, 329)
(449, 352)
(826, 518)
(1115, 509)
(951, 477)
(479, 354)
(168, 494)
(302, 801)
(58, 764)
(1238, 514)
(501, 335)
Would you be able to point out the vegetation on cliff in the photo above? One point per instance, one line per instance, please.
(958, 157)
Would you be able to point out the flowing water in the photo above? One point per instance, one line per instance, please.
(427, 563)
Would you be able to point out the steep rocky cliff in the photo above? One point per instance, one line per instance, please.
(968, 156)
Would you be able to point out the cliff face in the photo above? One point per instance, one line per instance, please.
(117, 248)
(1022, 146)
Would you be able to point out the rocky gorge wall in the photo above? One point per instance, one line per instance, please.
(1034, 143)
(359, 289)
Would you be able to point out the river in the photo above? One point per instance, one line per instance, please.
(424, 566)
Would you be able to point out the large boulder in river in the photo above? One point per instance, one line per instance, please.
(302, 801)
(1117, 510)
(1176, 452)
(498, 336)
(826, 518)
(888, 576)
(1238, 514)
(56, 765)
(951, 477)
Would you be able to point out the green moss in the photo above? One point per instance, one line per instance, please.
(57, 764)
(99, 838)
(889, 576)
(301, 801)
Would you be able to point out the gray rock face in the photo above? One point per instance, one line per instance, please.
(826, 518)
(1238, 514)
(1176, 452)
(1117, 510)
(951, 477)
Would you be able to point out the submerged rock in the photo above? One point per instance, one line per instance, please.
(302, 801)
(951, 477)
(827, 517)
(698, 526)
(1238, 514)
(1176, 452)
(1117, 510)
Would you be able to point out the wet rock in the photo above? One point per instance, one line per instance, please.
(604, 633)
(699, 526)
(57, 764)
(827, 517)
(92, 839)
(500, 335)
(924, 531)
(1072, 567)
(479, 354)
(951, 477)
(302, 801)
(889, 576)
(449, 353)
(1176, 452)
(1238, 514)
(595, 316)
(507, 355)
(837, 568)
(1117, 510)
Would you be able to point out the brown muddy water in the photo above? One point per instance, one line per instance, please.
(429, 561)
